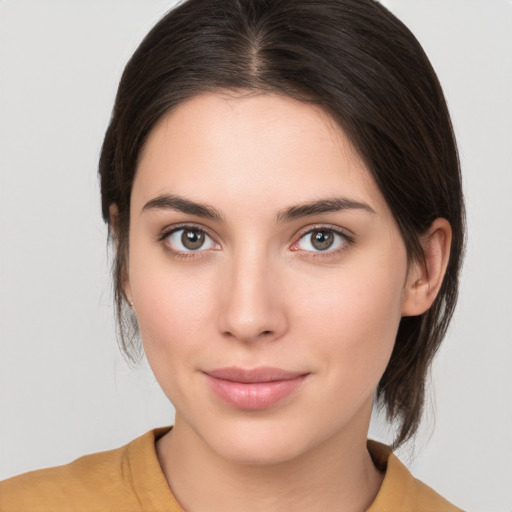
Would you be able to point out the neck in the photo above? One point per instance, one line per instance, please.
(337, 475)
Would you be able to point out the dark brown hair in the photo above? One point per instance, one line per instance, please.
(362, 66)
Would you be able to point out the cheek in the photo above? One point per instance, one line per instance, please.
(174, 303)
(172, 309)
(354, 318)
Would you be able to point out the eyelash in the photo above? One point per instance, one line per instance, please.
(185, 227)
(348, 240)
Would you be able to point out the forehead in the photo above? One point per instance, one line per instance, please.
(238, 144)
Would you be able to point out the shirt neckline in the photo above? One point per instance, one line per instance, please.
(153, 492)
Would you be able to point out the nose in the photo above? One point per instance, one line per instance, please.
(252, 302)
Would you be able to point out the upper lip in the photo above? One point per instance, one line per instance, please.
(253, 375)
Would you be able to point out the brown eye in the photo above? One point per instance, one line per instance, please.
(192, 239)
(322, 240)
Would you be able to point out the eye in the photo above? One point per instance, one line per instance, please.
(189, 239)
(321, 240)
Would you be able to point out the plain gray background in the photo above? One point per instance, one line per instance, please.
(64, 388)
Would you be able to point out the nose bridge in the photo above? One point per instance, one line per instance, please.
(251, 306)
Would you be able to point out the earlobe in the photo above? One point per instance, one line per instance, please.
(426, 276)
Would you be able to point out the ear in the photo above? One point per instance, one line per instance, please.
(426, 276)
(114, 222)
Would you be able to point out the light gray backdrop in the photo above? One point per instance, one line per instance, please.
(64, 389)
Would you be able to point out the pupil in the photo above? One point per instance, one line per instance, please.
(322, 240)
(192, 239)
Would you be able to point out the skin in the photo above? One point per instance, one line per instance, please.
(258, 293)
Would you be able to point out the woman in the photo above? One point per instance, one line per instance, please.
(282, 186)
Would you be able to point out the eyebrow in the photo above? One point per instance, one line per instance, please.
(331, 205)
(180, 204)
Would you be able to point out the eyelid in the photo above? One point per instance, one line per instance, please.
(169, 230)
(346, 233)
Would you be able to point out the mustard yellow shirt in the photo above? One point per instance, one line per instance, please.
(130, 479)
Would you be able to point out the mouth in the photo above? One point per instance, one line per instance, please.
(253, 389)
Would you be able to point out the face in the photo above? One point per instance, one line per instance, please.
(267, 275)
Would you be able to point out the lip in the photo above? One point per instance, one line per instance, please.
(255, 388)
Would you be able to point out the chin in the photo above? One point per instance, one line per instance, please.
(261, 443)
(259, 454)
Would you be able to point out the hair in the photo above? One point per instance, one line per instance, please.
(361, 65)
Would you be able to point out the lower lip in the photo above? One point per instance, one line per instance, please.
(254, 395)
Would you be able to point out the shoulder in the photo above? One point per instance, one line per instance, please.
(100, 481)
(91, 479)
(400, 491)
